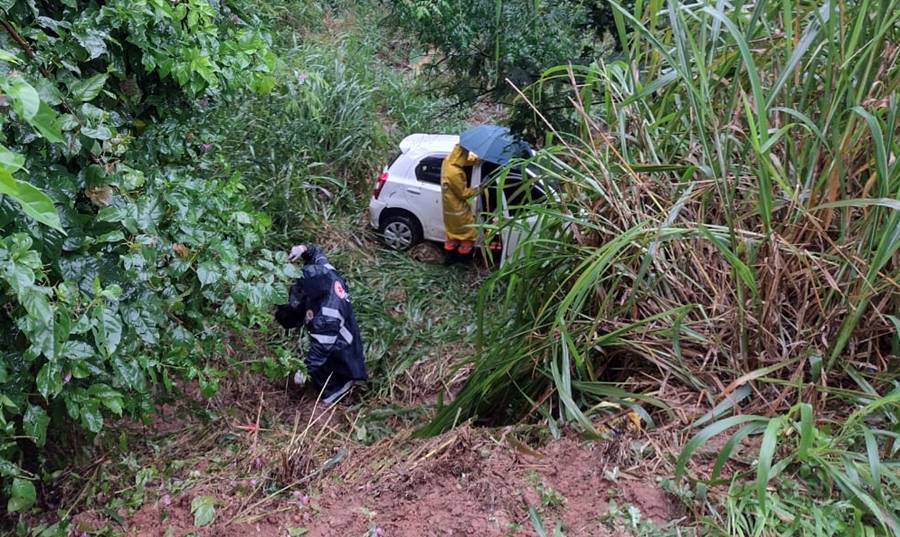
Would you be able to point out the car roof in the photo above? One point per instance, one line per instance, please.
(429, 142)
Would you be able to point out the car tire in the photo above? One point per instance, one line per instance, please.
(401, 232)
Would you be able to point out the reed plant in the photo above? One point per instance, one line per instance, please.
(727, 221)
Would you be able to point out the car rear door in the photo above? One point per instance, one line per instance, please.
(515, 198)
(426, 195)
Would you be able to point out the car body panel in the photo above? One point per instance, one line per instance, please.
(404, 191)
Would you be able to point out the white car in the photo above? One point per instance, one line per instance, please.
(406, 205)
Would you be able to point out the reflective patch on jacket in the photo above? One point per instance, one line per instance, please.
(335, 314)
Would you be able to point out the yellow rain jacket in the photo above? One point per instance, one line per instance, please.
(455, 194)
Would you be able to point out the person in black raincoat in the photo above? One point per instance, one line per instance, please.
(319, 301)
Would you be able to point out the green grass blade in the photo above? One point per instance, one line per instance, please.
(874, 202)
(728, 447)
(704, 435)
(874, 459)
(807, 430)
(562, 378)
(729, 402)
(881, 160)
(766, 454)
(806, 40)
(536, 522)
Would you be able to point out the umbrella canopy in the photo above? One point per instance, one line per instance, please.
(493, 143)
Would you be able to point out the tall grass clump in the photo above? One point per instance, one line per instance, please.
(727, 220)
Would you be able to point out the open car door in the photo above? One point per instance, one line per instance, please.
(516, 196)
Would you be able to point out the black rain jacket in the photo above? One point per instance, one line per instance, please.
(320, 302)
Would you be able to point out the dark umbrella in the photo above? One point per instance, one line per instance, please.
(493, 143)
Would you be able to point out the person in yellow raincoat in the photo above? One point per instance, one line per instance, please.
(458, 217)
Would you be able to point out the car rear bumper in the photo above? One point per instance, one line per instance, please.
(375, 209)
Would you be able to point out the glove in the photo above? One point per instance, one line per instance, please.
(297, 252)
(300, 378)
(287, 317)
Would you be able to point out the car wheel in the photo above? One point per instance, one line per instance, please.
(401, 232)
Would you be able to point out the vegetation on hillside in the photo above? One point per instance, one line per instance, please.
(142, 238)
(120, 271)
(725, 231)
(312, 148)
(482, 50)
(727, 220)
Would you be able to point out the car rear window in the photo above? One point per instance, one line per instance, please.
(518, 193)
(428, 170)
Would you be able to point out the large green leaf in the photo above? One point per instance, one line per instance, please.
(109, 397)
(204, 510)
(19, 277)
(108, 329)
(88, 89)
(208, 273)
(22, 496)
(48, 123)
(34, 203)
(92, 41)
(144, 322)
(13, 162)
(8, 469)
(77, 350)
(91, 417)
(101, 132)
(25, 99)
(36, 304)
(49, 380)
(129, 372)
(34, 423)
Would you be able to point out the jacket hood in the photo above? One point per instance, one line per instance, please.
(460, 157)
(316, 282)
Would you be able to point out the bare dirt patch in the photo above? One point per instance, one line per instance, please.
(276, 463)
(466, 482)
(472, 482)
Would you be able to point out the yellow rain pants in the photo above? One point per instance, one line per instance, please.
(458, 215)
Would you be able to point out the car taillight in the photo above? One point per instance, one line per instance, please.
(382, 179)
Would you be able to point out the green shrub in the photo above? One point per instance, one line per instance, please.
(482, 43)
(117, 276)
(483, 48)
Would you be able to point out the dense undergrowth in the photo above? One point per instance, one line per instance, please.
(315, 145)
(120, 269)
(727, 220)
(482, 49)
(726, 225)
(164, 158)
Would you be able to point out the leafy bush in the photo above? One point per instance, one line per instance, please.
(484, 42)
(116, 275)
(481, 49)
